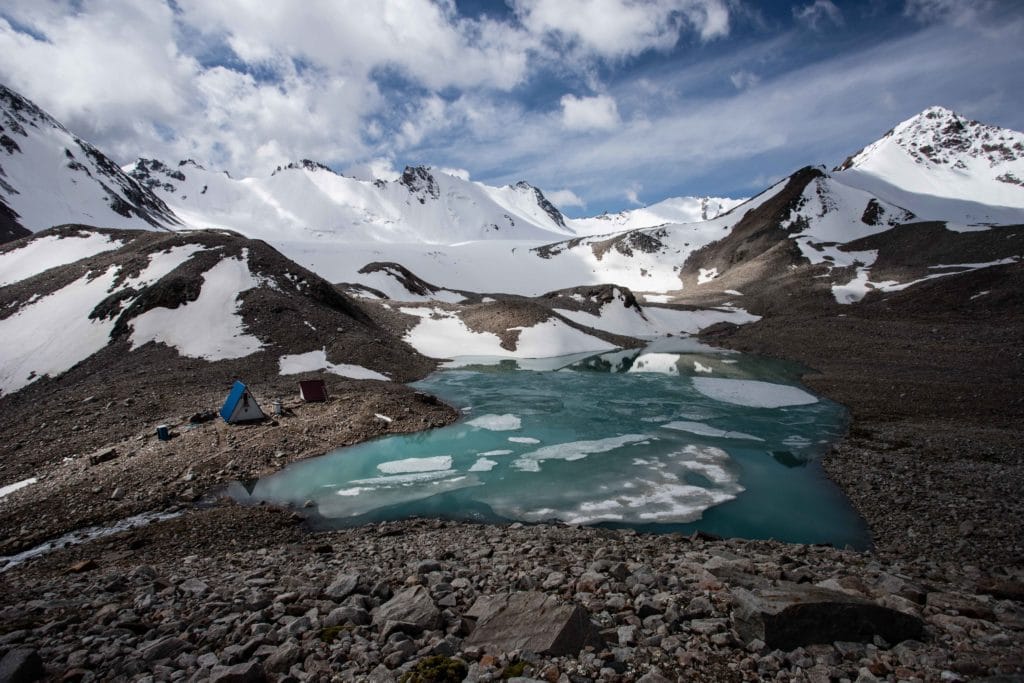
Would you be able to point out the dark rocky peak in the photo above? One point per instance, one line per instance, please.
(304, 165)
(542, 201)
(17, 111)
(191, 162)
(420, 182)
(154, 174)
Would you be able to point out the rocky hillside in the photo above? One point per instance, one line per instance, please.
(136, 327)
(49, 176)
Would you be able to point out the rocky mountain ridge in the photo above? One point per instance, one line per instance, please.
(88, 187)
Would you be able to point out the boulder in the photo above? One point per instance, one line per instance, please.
(788, 616)
(411, 607)
(249, 672)
(343, 586)
(21, 665)
(533, 622)
(102, 455)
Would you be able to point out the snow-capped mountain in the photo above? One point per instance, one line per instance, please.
(943, 166)
(49, 176)
(308, 201)
(672, 210)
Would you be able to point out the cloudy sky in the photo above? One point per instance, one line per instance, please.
(605, 104)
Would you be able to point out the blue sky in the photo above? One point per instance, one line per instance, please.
(604, 104)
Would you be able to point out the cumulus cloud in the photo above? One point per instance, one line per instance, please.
(589, 113)
(565, 198)
(819, 14)
(623, 28)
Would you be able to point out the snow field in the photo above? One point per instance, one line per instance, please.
(51, 251)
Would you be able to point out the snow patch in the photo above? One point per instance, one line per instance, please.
(51, 251)
(11, 488)
(314, 361)
(209, 327)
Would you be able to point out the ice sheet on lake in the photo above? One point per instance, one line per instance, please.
(752, 393)
(497, 423)
(408, 465)
(523, 439)
(707, 430)
(575, 450)
(660, 496)
(500, 451)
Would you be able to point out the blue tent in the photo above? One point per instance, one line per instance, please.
(241, 406)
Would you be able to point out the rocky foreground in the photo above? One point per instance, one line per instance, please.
(425, 600)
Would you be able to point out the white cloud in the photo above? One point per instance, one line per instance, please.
(623, 28)
(818, 14)
(744, 79)
(589, 113)
(631, 194)
(374, 169)
(565, 198)
(460, 173)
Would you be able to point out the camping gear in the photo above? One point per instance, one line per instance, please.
(278, 407)
(163, 432)
(241, 406)
(313, 390)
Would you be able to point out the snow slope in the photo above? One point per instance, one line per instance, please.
(50, 251)
(943, 166)
(50, 335)
(48, 176)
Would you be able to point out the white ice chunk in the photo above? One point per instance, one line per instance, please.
(752, 393)
(483, 465)
(707, 430)
(431, 464)
(497, 423)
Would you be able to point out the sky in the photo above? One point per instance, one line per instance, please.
(603, 104)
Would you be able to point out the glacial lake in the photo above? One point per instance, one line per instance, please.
(672, 438)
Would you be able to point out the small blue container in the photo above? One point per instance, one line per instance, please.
(163, 432)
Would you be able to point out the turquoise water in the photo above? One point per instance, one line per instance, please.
(670, 438)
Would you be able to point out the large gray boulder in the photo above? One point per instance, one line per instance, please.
(412, 608)
(21, 665)
(531, 622)
(793, 615)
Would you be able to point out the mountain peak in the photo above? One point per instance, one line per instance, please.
(304, 165)
(939, 137)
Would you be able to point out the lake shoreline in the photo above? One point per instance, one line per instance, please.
(249, 566)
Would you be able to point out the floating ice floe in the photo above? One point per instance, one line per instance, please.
(497, 423)
(408, 465)
(752, 393)
(483, 465)
(707, 430)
